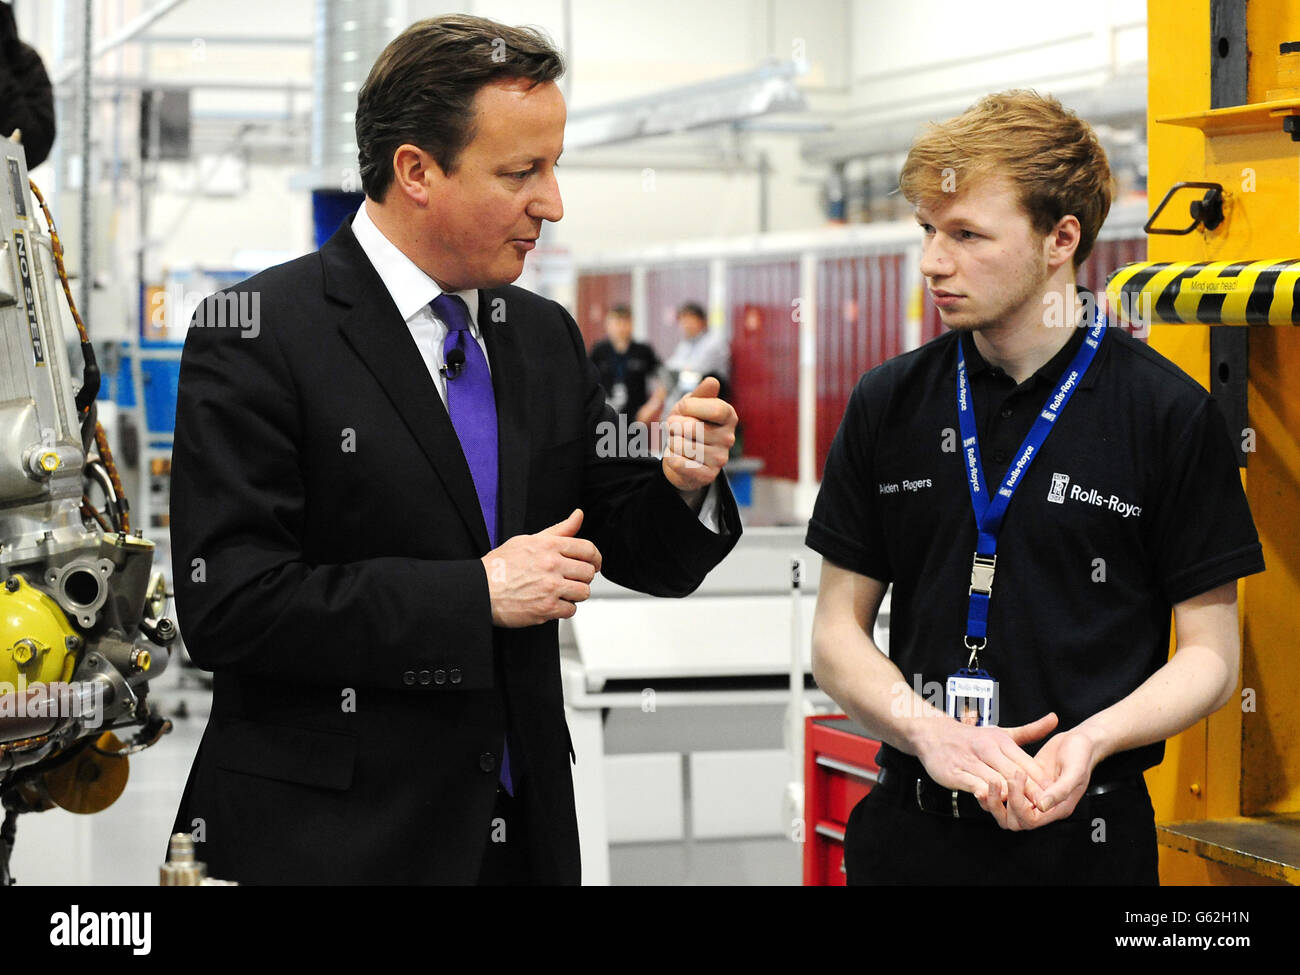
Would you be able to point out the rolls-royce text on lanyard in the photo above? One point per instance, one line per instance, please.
(972, 691)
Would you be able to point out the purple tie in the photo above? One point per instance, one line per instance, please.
(471, 404)
(473, 411)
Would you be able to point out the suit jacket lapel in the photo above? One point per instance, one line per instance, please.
(374, 328)
(510, 385)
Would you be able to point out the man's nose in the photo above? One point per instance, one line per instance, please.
(935, 260)
(547, 205)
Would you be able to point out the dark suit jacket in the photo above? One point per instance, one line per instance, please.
(326, 540)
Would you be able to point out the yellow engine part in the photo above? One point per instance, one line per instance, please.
(90, 781)
(34, 637)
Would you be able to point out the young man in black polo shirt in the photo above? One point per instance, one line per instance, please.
(626, 367)
(1122, 501)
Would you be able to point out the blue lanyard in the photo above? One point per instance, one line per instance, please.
(989, 514)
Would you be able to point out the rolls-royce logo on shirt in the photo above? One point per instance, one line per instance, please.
(1062, 490)
(1059, 483)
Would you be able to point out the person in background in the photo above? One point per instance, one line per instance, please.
(626, 367)
(26, 98)
(701, 352)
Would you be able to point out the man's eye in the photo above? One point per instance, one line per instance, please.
(927, 229)
(968, 235)
(521, 175)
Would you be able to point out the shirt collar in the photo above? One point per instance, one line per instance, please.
(411, 289)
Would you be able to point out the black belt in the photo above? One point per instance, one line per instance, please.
(929, 796)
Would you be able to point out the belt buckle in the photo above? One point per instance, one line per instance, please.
(955, 812)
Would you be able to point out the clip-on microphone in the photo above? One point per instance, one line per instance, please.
(455, 363)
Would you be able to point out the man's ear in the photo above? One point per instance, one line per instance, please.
(414, 172)
(1063, 241)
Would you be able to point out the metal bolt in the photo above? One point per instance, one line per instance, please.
(12, 584)
(140, 659)
(181, 848)
(72, 642)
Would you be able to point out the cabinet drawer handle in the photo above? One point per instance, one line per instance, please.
(855, 770)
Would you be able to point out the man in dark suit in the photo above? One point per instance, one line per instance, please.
(371, 556)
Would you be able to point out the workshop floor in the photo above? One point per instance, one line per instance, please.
(729, 863)
(124, 844)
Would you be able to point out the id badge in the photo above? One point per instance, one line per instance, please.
(973, 697)
(617, 397)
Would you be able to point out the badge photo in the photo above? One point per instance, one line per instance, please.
(972, 697)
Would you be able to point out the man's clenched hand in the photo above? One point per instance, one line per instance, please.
(701, 430)
(535, 578)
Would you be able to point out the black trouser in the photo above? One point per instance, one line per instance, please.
(1108, 839)
(506, 858)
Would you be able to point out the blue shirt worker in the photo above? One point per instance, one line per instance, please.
(701, 353)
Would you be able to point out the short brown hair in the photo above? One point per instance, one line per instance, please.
(621, 311)
(1048, 153)
(421, 88)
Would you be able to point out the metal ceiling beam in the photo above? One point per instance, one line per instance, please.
(69, 69)
(184, 84)
(239, 40)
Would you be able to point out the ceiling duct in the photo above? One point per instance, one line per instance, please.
(350, 34)
(722, 101)
(1121, 101)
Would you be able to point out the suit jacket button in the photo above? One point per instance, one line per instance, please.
(487, 761)
(440, 677)
(408, 677)
(424, 677)
(455, 675)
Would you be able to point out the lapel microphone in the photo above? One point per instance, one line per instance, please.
(455, 363)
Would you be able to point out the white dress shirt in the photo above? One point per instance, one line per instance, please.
(412, 290)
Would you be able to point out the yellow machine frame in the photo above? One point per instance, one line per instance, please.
(1228, 792)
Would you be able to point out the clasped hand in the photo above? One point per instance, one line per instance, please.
(1020, 791)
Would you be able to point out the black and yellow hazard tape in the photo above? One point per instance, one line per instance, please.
(1206, 293)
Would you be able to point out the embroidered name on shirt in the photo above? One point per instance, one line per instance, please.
(908, 486)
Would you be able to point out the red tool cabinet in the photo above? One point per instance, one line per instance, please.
(839, 769)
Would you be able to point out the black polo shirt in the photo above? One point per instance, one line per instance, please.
(625, 375)
(1133, 504)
